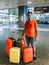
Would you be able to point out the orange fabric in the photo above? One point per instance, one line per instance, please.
(30, 28)
(8, 46)
(22, 44)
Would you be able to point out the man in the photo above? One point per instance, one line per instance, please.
(30, 31)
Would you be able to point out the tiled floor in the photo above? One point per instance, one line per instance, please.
(42, 48)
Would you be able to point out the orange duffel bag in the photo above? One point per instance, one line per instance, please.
(9, 44)
(27, 54)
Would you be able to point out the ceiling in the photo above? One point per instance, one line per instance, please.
(15, 3)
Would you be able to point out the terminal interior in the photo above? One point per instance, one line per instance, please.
(13, 14)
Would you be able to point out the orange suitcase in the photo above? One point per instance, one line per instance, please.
(27, 54)
(22, 43)
(9, 45)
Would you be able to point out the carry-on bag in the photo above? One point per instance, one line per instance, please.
(9, 44)
(22, 43)
(15, 55)
(27, 54)
(13, 41)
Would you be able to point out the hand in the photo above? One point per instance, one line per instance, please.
(36, 38)
(21, 37)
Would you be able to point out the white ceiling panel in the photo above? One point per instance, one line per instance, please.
(41, 1)
(15, 3)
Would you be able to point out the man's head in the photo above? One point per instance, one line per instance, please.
(29, 15)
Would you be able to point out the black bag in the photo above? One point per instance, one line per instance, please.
(14, 41)
(18, 43)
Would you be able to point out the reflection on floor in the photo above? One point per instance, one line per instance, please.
(42, 48)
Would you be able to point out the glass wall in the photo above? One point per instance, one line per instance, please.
(8, 18)
(14, 17)
(9, 22)
(41, 18)
(4, 18)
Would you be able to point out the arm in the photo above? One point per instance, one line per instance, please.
(36, 30)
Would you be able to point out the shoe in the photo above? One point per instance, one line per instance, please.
(34, 58)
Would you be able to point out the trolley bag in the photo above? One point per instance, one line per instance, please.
(22, 43)
(18, 43)
(13, 41)
(9, 44)
(15, 55)
(27, 54)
